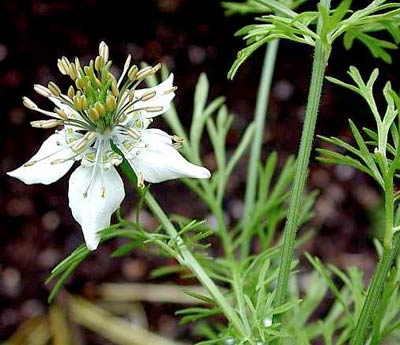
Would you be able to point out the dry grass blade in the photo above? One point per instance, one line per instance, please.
(31, 332)
(167, 293)
(113, 328)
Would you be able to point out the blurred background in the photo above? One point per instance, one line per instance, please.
(190, 37)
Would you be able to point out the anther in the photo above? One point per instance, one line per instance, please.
(54, 89)
(61, 67)
(153, 109)
(103, 192)
(77, 102)
(144, 72)
(73, 73)
(46, 123)
(148, 95)
(61, 113)
(93, 114)
(29, 164)
(83, 142)
(177, 139)
(80, 84)
(98, 63)
(66, 63)
(80, 102)
(114, 89)
(156, 68)
(172, 89)
(42, 90)
(71, 92)
(131, 95)
(127, 62)
(78, 66)
(132, 73)
(101, 109)
(133, 133)
(111, 103)
(29, 104)
(58, 161)
(140, 181)
(103, 51)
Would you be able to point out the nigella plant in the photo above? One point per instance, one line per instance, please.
(98, 113)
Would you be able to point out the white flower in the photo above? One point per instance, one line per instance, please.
(95, 113)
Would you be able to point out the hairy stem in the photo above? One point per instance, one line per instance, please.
(186, 258)
(259, 119)
(321, 57)
(385, 262)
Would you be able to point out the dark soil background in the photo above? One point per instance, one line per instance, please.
(37, 229)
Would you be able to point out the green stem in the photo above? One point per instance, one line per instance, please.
(321, 57)
(385, 262)
(187, 259)
(259, 118)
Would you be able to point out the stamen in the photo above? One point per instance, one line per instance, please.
(46, 123)
(84, 141)
(78, 66)
(144, 72)
(29, 164)
(96, 164)
(93, 114)
(148, 95)
(132, 132)
(54, 89)
(140, 180)
(71, 92)
(156, 68)
(126, 66)
(111, 103)
(61, 66)
(101, 109)
(114, 89)
(103, 51)
(60, 112)
(29, 104)
(42, 90)
(103, 189)
(133, 73)
(172, 89)
(153, 109)
(131, 95)
(177, 139)
(73, 73)
(98, 63)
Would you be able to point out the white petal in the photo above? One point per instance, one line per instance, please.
(162, 98)
(160, 161)
(53, 148)
(94, 211)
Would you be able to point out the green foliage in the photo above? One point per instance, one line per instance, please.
(379, 155)
(361, 25)
(254, 6)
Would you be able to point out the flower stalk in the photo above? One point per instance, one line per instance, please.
(259, 118)
(321, 58)
(187, 259)
(390, 248)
